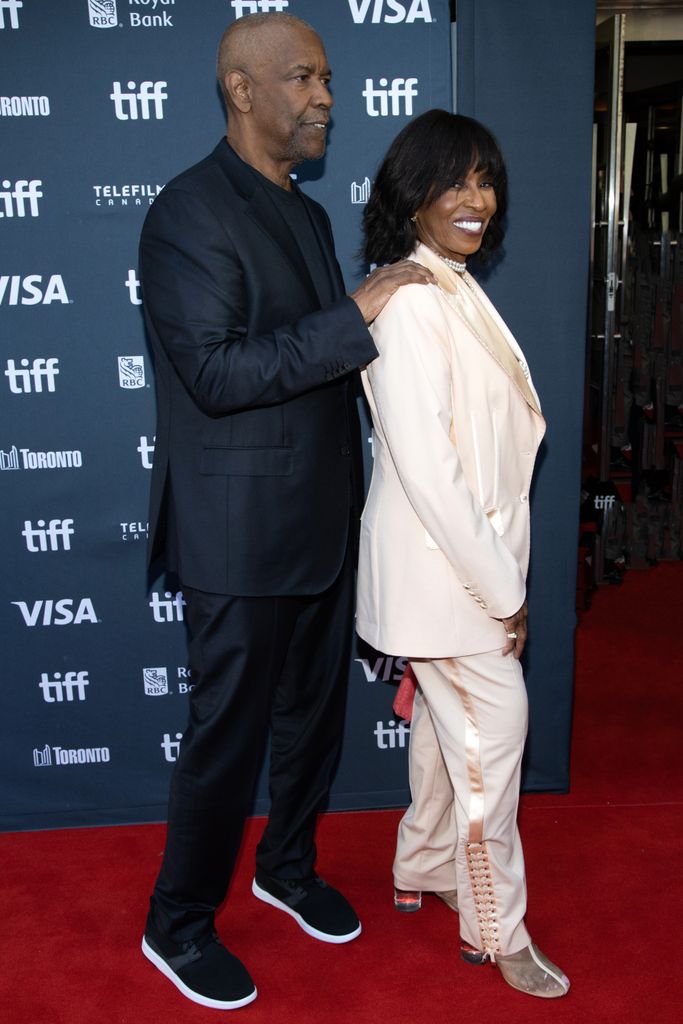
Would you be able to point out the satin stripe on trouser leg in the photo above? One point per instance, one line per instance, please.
(478, 712)
(428, 832)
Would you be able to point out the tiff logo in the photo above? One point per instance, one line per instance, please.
(400, 89)
(20, 380)
(129, 106)
(70, 688)
(390, 11)
(12, 7)
(360, 193)
(146, 451)
(605, 501)
(242, 7)
(170, 609)
(47, 538)
(133, 286)
(392, 735)
(15, 199)
(171, 748)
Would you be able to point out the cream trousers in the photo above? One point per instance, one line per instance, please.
(460, 831)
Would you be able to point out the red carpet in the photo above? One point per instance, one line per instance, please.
(604, 872)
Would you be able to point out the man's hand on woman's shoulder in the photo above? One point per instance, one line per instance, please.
(374, 293)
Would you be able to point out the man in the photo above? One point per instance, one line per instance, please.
(255, 493)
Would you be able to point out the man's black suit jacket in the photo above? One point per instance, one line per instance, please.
(257, 444)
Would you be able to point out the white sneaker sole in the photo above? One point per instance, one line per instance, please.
(337, 940)
(195, 997)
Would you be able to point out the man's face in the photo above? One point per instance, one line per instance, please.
(290, 97)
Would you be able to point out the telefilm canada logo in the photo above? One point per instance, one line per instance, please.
(155, 681)
(131, 372)
(25, 458)
(138, 194)
(20, 198)
(50, 757)
(32, 290)
(244, 7)
(9, 13)
(390, 12)
(134, 531)
(24, 106)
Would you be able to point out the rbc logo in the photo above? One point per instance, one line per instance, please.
(155, 681)
(23, 381)
(131, 372)
(390, 11)
(170, 609)
(400, 89)
(12, 8)
(47, 538)
(102, 13)
(242, 7)
(129, 106)
(24, 191)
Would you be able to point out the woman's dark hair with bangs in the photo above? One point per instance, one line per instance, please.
(425, 159)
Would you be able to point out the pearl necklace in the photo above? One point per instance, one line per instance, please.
(454, 263)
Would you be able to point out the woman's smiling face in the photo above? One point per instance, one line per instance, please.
(454, 224)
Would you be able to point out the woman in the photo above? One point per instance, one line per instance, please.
(445, 536)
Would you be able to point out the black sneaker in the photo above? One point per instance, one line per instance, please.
(318, 908)
(202, 969)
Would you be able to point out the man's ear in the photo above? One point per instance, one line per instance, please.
(238, 90)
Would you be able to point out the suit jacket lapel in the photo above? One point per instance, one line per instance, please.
(499, 343)
(262, 211)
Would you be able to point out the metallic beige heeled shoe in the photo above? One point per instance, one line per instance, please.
(407, 900)
(530, 971)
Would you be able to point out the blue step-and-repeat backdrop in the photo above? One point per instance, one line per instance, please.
(101, 103)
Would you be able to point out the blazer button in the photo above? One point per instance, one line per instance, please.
(345, 450)
(524, 497)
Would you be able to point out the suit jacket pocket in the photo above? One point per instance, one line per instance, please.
(247, 462)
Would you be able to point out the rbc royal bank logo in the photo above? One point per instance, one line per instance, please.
(143, 103)
(390, 11)
(102, 13)
(155, 681)
(52, 536)
(30, 291)
(242, 7)
(12, 8)
(70, 688)
(402, 91)
(23, 195)
(28, 377)
(131, 372)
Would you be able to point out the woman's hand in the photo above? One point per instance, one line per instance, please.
(516, 624)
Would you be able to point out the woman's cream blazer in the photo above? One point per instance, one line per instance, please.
(456, 426)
